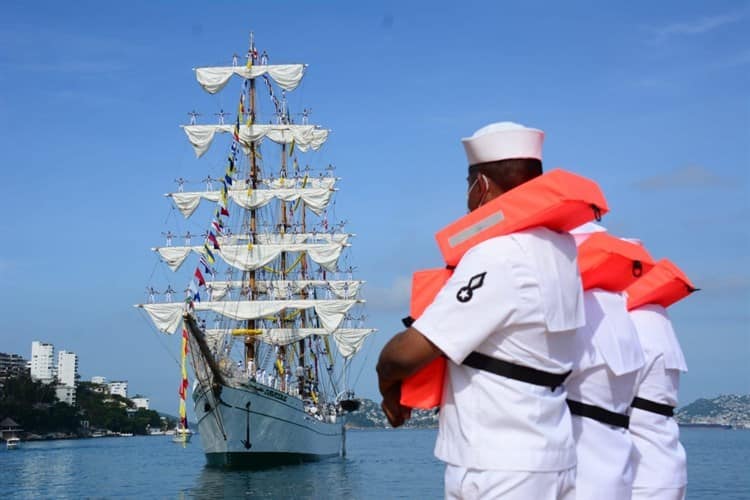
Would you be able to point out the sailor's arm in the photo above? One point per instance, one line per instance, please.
(405, 354)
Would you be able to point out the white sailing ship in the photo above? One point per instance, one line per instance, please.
(273, 316)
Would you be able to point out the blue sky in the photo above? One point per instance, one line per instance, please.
(650, 99)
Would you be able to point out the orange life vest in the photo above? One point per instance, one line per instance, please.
(557, 200)
(664, 285)
(610, 263)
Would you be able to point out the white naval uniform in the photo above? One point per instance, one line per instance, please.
(514, 436)
(658, 457)
(605, 375)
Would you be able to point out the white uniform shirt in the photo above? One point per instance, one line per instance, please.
(659, 458)
(516, 298)
(605, 375)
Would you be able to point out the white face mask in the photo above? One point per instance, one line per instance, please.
(468, 193)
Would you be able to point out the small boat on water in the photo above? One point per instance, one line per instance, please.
(13, 443)
(182, 435)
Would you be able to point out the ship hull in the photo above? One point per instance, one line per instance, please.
(255, 426)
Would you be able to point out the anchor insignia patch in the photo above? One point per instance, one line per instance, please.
(465, 293)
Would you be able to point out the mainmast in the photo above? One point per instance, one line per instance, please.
(250, 339)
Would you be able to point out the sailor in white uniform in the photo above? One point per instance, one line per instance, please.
(513, 301)
(658, 457)
(600, 391)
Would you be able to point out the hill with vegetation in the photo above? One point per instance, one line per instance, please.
(727, 409)
(34, 406)
(370, 415)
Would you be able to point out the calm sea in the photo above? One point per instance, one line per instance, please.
(379, 464)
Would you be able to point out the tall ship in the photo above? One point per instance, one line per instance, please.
(271, 317)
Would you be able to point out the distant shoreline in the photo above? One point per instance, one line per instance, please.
(712, 426)
(37, 439)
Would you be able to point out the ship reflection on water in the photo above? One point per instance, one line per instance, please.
(330, 478)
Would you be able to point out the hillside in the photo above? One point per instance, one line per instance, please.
(35, 408)
(732, 410)
(370, 415)
(728, 409)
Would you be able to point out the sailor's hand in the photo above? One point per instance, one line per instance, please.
(394, 411)
(396, 417)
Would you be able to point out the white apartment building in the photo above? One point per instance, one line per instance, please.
(66, 394)
(67, 368)
(42, 363)
(140, 403)
(119, 387)
(98, 380)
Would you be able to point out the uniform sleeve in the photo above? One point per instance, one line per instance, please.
(478, 299)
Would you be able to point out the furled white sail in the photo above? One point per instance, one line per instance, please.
(215, 78)
(329, 312)
(276, 238)
(174, 256)
(316, 199)
(287, 182)
(305, 137)
(166, 316)
(348, 340)
(248, 258)
(342, 289)
(188, 202)
(316, 193)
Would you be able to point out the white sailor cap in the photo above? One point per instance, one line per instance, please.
(503, 141)
(582, 232)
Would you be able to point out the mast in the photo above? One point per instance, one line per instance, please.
(303, 270)
(250, 340)
(284, 322)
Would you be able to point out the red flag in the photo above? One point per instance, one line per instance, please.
(199, 277)
(213, 240)
(224, 211)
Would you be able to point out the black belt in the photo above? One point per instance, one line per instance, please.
(516, 372)
(653, 407)
(599, 414)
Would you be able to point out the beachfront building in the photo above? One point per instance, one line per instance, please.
(42, 362)
(99, 380)
(9, 428)
(11, 365)
(140, 402)
(67, 368)
(119, 387)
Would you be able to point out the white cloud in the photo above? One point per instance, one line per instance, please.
(393, 299)
(698, 26)
(690, 176)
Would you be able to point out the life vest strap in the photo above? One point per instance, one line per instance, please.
(516, 372)
(599, 414)
(653, 407)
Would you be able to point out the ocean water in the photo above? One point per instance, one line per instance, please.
(379, 464)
